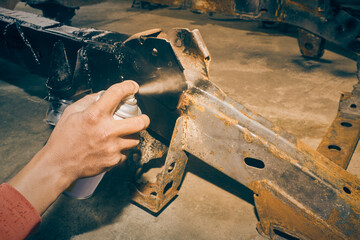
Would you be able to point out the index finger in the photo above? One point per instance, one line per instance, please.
(115, 94)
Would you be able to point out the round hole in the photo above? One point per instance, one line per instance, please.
(154, 52)
(309, 46)
(353, 106)
(153, 194)
(168, 186)
(334, 147)
(347, 190)
(171, 167)
(256, 163)
(346, 124)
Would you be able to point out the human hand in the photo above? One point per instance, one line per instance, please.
(88, 139)
(85, 142)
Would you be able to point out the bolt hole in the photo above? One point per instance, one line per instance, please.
(346, 124)
(168, 186)
(334, 147)
(353, 106)
(256, 163)
(154, 52)
(153, 194)
(347, 190)
(309, 46)
(171, 167)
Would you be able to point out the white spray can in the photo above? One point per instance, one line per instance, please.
(83, 188)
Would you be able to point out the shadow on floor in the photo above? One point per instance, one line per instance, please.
(214, 176)
(20, 77)
(69, 217)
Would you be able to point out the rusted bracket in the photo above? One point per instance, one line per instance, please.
(341, 139)
(310, 45)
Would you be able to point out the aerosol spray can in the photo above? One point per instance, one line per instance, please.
(83, 188)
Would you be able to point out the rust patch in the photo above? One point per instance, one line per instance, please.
(334, 216)
(201, 108)
(183, 103)
(288, 217)
(333, 174)
(276, 129)
(227, 120)
(248, 137)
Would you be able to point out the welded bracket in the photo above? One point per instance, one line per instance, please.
(310, 45)
(341, 139)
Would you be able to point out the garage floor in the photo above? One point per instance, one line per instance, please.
(260, 68)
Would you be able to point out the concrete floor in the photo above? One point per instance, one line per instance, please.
(260, 68)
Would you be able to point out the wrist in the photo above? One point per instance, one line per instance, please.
(41, 181)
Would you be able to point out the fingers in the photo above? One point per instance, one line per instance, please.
(115, 94)
(81, 104)
(130, 126)
(85, 102)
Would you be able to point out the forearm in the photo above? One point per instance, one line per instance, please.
(41, 181)
(86, 141)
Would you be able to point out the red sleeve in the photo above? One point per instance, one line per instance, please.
(18, 218)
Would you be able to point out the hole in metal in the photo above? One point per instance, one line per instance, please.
(284, 235)
(347, 190)
(256, 163)
(171, 167)
(168, 186)
(335, 147)
(346, 124)
(309, 46)
(353, 106)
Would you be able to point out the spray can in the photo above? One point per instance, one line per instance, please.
(83, 188)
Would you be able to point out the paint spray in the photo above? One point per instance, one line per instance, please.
(83, 188)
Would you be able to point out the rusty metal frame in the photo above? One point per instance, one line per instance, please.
(335, 21)
(298, 191)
